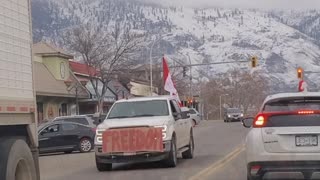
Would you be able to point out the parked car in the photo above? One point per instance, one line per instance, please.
(233, 114)
(284, 137)
(59, 136)
(195, 116)
(143, 130)
(81, 119)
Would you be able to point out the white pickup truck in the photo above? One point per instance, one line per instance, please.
(144, 130)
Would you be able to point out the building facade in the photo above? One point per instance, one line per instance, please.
(51, 72)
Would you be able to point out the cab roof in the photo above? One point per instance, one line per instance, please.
(147, 98)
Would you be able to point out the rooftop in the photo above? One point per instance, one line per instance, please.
(47, 85)
(45, 49)
(82, 69)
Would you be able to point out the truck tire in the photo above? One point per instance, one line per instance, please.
(171, 161)
(103, 166)
(16, 160)
(189, 153)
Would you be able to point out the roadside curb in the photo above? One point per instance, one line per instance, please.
(219, 164)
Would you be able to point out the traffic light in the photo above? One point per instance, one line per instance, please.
(184, 71)
(300, 73)
(254, 61)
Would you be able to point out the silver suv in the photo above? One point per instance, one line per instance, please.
(284, 137)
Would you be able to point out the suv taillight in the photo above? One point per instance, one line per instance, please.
(260, 121)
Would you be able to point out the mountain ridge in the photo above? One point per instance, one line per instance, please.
(205, 35)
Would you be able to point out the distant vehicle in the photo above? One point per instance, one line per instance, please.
(81, 119)
(284, 137)
(195, 116)
(233, 114)
(185, 113)
(58, 136)
(144, 130)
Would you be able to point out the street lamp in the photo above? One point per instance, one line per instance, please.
(220, 113)
(75, 86)
(151, 62)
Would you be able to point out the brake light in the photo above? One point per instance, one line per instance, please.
(260, 121)
(305, 112)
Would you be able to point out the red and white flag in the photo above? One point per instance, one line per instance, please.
(168, 83)
(303, 86)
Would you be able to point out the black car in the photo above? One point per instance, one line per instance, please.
(81, 119)
(232, 114)
(65, 137)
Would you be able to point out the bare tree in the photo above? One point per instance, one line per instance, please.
(105, 51)
(245, 91)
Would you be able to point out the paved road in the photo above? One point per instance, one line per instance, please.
(214, 141)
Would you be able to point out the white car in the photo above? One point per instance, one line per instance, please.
(284, 137)
(163, 112)
(195, 116)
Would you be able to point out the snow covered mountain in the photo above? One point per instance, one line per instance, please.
(205, 35)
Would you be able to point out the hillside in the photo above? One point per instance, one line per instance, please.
(206, 35)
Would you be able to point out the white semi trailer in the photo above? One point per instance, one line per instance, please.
(18, 125)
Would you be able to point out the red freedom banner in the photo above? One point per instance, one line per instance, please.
(132, 140)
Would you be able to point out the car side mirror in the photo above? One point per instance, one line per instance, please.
(247, 122)
(176, 116)
(188, 115)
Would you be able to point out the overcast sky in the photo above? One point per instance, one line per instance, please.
(273, 4)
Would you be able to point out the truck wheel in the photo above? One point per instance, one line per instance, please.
(16, 160)
(103, 166)
(194, 123)
(189, 153)
(171, 161)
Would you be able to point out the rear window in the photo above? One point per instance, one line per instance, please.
(293, 120)
(293, 104)
(76, 120)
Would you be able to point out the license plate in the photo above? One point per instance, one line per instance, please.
(307, 140)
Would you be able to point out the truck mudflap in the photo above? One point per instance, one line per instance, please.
(129, 140)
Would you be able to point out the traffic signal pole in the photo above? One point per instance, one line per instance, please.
(206, 64)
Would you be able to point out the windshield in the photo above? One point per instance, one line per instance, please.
(192, 111)
(139, 109)
(235, 110)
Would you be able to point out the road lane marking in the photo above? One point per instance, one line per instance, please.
(219, 164)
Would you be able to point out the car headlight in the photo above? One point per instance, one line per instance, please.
(229, 115)
(241, 115)
(164, 130)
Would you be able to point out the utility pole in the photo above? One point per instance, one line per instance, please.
(190, 90)
(220, 112)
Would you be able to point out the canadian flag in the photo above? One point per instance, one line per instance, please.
(303, 86)
(168, 83)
